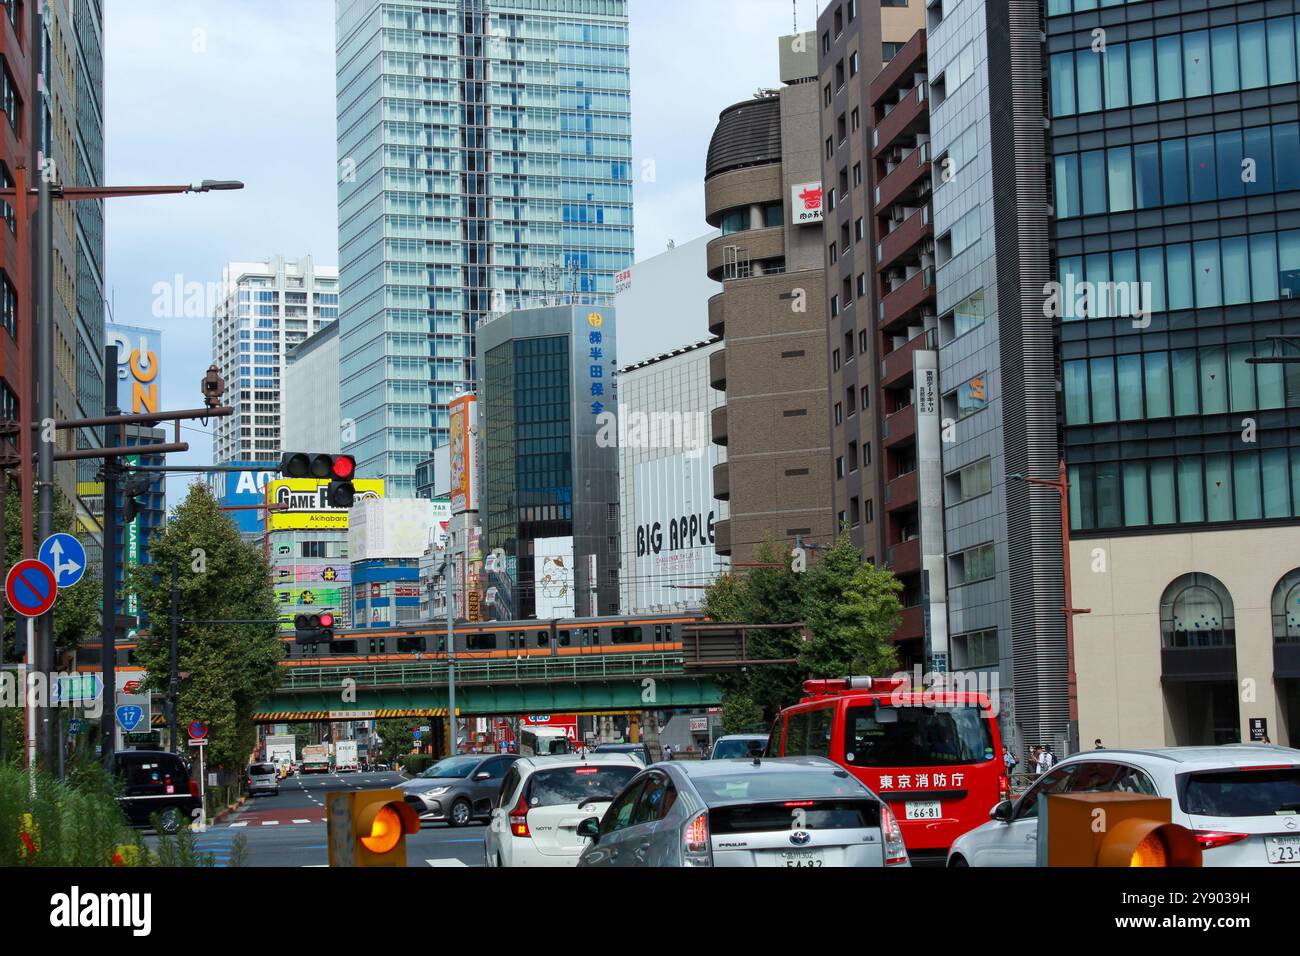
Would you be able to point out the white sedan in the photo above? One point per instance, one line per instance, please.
(1242, 801)
(543, 799)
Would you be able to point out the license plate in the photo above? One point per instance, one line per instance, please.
(922, 810)
(801, 858)
(1283, 849)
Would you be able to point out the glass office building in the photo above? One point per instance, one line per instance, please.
(484, 164)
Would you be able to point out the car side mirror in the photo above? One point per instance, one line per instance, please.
(482, 775)
(590, 828)
(1002, 812)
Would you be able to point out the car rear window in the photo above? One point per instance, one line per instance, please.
(564, 785)
(155, 772)
(795, 815)
(883, 735)
(1242, 793)
(728, 749)
(262, 769)
(751, 785)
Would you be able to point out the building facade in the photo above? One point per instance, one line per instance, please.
(266, 308)
(548, 442)
(312, 420)
(762, 189)
(485, 164)
(665, 465)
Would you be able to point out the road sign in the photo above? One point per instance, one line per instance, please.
(77, 689)
(129, 717)
(75, 725)
(65, 556)
(145, 737)
(198, 730)
(30, 588)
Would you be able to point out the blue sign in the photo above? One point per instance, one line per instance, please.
(243, 489)
(75, 725)
(64, 555)
(129, 717)
(416, 734)
(198, 730)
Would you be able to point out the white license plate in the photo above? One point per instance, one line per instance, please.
(1283, 849)
(801, 858)
(922, 810)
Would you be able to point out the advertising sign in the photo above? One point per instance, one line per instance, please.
(307, 503)
(553, 577)
(462, 415)
(241, 489)
(137, 367)
(675, 516)
(567, 722)
(393, 528)
(805, 203)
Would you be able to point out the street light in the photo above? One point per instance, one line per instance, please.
(209, 185)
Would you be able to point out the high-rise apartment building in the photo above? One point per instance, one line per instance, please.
(484, 164)
(763, 190)
(266, 308)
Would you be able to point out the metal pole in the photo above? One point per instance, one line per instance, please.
(451, 663)
(108, 629)
(1072, 686)
(27, 697)
(174, 684)
(45, 449)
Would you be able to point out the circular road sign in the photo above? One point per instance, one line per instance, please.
(66, 558)
(30, 588)
(198, 730)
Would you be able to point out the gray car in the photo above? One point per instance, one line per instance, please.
(262, 778)
(738, 745)
(790, 811)
(458, 789)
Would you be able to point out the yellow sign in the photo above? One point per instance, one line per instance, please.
(306, 501)
(595, 320)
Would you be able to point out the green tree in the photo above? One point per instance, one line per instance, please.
(397, 738)
(739, 713)
(231, 668)
(851, 609)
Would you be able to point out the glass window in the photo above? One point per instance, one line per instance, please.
(1142, 72)
(1223, 59)
(1256, 147)
(1214, 381)
(1178, 268)
(1101, 373)
(1128, 371)
(1146, 162)
(1135, 493)
(1173, 166)
(1281, 50)
(1115, 64)
(1076, 392)
(1067, 186)
(1270, 380)
(968, 313)
(1183, 376)
(1152, 263)
(1227, 148)
(1169, 67)
(1155, 369)
(1092, 166)
(1254, 61)
(1273, 474)
(1241, 376)
(1245, 486)
(1200, 161)
(1191, 494)
(1205, 257)
(1109, 495)
(1218, 488)
(1080, 503)
(1295, 482)
(1162, 492)
(1236, 271)
(1088, 65)
(1119, 173)
(1196, 64)
(1062, 66)
(1286, 147)
(1098, 269)
(1288, 263)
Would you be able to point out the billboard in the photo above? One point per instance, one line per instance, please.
(138, 387)
(805, 203)
(392, 528)
(242, 489)
(553, 577)
(306, 500)
(674, 515)
(462, 418)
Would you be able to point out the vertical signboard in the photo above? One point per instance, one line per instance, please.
(462, 418)
(929, 475)
(553, 577)
(805, 203)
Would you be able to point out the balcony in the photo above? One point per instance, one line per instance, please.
(905, 557)
(896, 366)
(904, 303)
(722, 537)
(899, 428)
(901, 492)
(904, 121)
(718, 425)
(898, 71)
(906, 240)
(903, 182)
(911, 625)
(718, 370)
(721, 482)
(751, 245)
(717, 309)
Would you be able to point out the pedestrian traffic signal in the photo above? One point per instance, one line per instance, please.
(313, 628)
(1113, 829)
(135, 487)
(369, 827)
(338, 469)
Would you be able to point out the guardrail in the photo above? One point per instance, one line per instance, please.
(501, 670)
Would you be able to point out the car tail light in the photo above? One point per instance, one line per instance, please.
(695, 841)
(194, 789)
(1209, 839)
(895, 851)
(519, 819)
(1004, 788)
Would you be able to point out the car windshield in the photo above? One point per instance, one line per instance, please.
(726, 749)
(785, 785)
(576, 785)
(451, 767)
(1243, 793)
(888, 736)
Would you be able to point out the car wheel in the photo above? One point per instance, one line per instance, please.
(958, 861)
(460, 813)
(169, 821)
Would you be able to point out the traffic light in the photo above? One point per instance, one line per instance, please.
(133, 489)
(313, 628)
(1113, 829)
(369, 827)
(339, 469)
(213, 387)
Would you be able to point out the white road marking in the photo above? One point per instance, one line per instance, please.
(270, 823)
(241, 824)
(302, 821)
(449, 862)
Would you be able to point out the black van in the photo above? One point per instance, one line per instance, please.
(154, 781)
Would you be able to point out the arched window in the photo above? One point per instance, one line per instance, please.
(1286, 609)
(1196, 611)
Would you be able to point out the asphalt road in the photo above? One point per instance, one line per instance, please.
(289, 829)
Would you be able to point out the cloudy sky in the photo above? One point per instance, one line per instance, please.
(244, 89)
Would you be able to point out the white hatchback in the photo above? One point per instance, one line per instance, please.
(543, 799)
(1242, 801)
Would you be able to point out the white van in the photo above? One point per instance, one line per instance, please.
(543, 742)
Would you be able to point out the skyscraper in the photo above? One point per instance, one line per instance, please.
(266, 308)
(484, 164)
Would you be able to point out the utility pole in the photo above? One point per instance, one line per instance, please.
(108, 616)
(451, 659)
(44, 650)
(174, 683)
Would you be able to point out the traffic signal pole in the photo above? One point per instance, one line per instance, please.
(48, 746)
(174, 682)
(108, 616)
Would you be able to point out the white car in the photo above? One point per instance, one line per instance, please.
(543, 799)
(1241, 800)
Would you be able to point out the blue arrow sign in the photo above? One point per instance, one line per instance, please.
(129, 716)
(64, 555)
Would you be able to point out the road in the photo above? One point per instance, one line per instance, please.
(289, 829)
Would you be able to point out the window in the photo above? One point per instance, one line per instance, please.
(889, 50)
(839, 466)
(853, 66)
(857, 174)
(855, 512)
(859, 232)
(1196, 611)
(835, 360)
(855, 120)
(972, 481)
(966, 315)
(970, 397)
(1286, 609)
(839, 413)
(11, 100)
(959, 70)
(976, 564)
(8, 305)
(481, 642)
(965, 233)
(982, 648)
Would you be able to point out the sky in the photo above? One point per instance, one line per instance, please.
(244, 89)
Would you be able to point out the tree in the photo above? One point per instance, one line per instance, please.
(397, 738)
(232, 668)
(739, 713)
(851, 609)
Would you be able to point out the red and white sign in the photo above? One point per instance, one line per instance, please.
(806, 203)
(569, 722)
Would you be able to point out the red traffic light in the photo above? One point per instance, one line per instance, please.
(327, 620)
(344, 466)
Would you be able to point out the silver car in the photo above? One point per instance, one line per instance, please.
(1242, 801)
(262, 778)
(738, 745)
(791, 812)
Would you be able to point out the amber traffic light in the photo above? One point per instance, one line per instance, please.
(369, 827)
(1112, 829)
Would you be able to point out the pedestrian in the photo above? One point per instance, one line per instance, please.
(1096, 744)
(668, 752)
(1033, 758)
(1045, 759)
(1009, 759)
